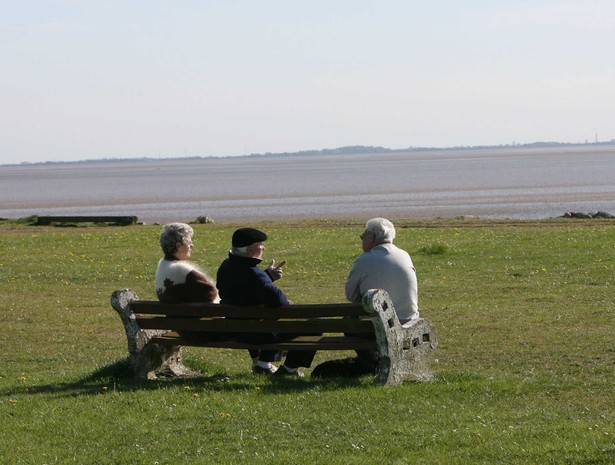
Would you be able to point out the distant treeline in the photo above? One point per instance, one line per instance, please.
(347, 150)
(359, 149)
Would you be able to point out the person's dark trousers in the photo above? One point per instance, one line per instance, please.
(368, 358)
(294, 358)
(365, 363)
(299, 358)
(258, 338)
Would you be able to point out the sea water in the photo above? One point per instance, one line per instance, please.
(520, 183)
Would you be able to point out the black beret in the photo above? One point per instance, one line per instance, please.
(246, 236)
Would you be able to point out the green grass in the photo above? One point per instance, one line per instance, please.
(524, 373)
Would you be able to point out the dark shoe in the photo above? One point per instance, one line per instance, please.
(257, 370)
(294, 374)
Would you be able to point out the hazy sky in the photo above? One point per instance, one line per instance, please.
(83, 79)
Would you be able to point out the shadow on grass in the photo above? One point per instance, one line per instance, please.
(119, 376)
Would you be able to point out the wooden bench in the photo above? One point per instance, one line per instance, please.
(116, 220)
(154, 332)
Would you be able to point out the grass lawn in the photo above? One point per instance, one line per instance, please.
(524, 373)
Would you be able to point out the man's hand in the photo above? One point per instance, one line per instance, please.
(275, 272)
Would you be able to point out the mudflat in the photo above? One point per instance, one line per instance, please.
(517, 183)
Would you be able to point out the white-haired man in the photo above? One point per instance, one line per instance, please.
(241, 282)
(381, 266)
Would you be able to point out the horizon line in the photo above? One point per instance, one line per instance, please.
(347, 150)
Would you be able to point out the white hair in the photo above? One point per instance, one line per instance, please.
(382, 229)
(241, 251)
(173, 233)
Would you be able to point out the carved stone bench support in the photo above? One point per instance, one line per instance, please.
(147, 358)
(405, 351)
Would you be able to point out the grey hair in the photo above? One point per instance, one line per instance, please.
(241, 251)
(382, 229)
(171, 234)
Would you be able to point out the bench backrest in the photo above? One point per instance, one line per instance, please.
(206, 317)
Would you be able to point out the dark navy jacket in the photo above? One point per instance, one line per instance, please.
(241, 282)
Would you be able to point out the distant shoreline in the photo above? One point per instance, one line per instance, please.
(347, 150)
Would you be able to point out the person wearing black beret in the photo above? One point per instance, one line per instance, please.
(240, 281)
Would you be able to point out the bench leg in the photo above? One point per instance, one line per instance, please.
(405, 351)
(147, 359)
(419, 341)
(155, 359)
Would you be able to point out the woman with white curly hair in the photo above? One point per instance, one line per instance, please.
(178, 280)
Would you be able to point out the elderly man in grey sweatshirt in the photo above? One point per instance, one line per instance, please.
(381, 266)
(384, 266)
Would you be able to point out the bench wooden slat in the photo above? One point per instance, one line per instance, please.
(306, 343)
(225, 325)
(213, 310)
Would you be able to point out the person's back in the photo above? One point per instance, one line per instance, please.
(241, 282)
(179, 281)
(387, 267)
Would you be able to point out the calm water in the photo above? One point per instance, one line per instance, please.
(504, 183)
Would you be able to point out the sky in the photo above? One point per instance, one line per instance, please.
(85, 79)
